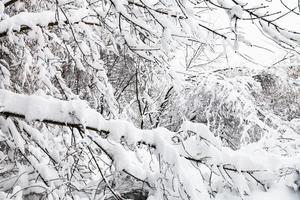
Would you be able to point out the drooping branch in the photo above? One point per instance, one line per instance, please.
(283, 35)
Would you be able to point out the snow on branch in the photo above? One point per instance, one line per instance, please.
(282, 36)
(28, 20)
(175, 152)
(73, 113)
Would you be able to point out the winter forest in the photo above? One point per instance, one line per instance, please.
(149, 99)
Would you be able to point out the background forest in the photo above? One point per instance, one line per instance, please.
(150, 99)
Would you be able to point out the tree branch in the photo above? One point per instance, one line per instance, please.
(8, 3)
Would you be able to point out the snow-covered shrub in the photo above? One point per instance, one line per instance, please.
(279, 95)
(236, 107)
(228, 109)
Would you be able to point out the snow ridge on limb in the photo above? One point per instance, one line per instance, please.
(28, 20)
(36, 108)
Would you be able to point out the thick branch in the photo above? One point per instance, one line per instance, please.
(8, 3)
(54, 122)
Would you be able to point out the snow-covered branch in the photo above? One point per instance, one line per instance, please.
(177, 150)
(140, 99)
(29, 20)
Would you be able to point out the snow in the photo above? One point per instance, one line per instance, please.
(237, 11)
(78, 112)
(42, 166)
(226, 3)
(27, 19)
(276, 192)
(53, 142)
(195, 141)
(120, 7)
(32, 19)
(203, 131)
(123, 159)
(41, 108)
(19, 141)
(18, 193)
(1, 9)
